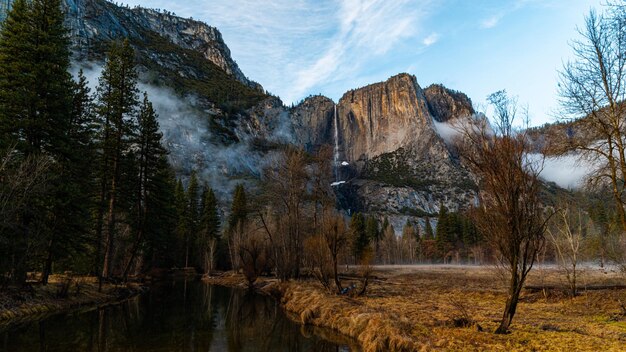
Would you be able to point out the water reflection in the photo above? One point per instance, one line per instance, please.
(178, 316)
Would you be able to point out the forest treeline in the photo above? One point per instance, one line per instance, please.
(86, 185)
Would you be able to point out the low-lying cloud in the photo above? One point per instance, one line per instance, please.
(191, 142)
(567, 171)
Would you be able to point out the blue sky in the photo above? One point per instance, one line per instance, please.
(295, 48)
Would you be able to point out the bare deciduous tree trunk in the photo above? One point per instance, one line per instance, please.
(510, 214)
(566, 236)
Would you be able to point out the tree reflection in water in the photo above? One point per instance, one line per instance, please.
(185, 316)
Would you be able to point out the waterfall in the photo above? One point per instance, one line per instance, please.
(336, 154)
(337, 163)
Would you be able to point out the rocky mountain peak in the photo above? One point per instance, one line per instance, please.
(313, 121)
(445, 104)
(389, 152)
(383, 117)
(93, 22)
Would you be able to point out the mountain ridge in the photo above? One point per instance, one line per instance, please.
(389, 152)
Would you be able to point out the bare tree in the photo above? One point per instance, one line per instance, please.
(409, 244)
(566, 235)
(592, 89)
(509, 214)
(318, 259)
(389, 246)
(22, 179)
(335, 234)
(253, 253)
(284, 217)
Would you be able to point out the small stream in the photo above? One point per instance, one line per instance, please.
(175, 316)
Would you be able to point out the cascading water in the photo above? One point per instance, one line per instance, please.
(337, 164)
(336, 154)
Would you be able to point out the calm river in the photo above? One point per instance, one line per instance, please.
(178, 316)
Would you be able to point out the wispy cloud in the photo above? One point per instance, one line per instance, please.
(431, 39)
(492, 21)
(366, 29)
(295, 47)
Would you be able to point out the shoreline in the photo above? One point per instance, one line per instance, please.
(457, 308)
(21, 306)
(307, 304)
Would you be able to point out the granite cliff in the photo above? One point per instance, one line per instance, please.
(390, 155)
(215, 119)
(93, 23)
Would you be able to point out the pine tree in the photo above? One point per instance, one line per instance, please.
(150, 163)
(419, 253)
(36, 117)
(470, 234)
(428, 230)
(443, 231)
(73, 202)
(56, 131)
(161, 240)
(372, 230)
(238, 211)
(360, 240)
(193, 216)
(182, 227)
(209, 229)
(35, 86)
(117, 96)
(409, 240)
(17, 98)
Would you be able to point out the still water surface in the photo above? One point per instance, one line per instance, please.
(178, 316)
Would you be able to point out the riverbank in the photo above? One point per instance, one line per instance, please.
(456, 308)
(61, 295)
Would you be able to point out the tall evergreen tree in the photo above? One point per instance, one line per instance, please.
(36, 117)
(372, 229)
(193, 214)
(16, 95)
(409, 241)
(360, 240)
(117, 98)
(209, 233)
(150, 163)
(182, 226)
(428, 230)
(70, 235)
(238, 211)
(35, 86)
(160, 230)
(443, 234)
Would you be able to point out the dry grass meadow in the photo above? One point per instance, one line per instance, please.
(457, 308)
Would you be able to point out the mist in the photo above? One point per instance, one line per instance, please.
(567, 171)
(193, 146)
(451, 130)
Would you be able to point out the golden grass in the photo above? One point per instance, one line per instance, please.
(372, 327)
(18, 306)
(415, 308)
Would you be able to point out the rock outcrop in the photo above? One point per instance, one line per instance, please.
(94, 22)
(313, 122)
(390, 155)
(445, 104)
(383, 117)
